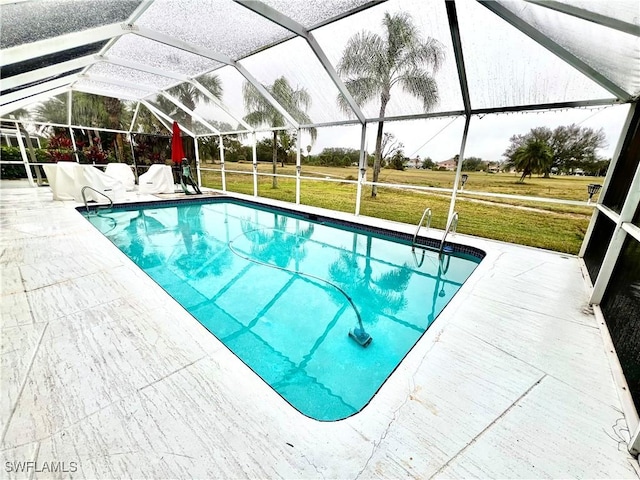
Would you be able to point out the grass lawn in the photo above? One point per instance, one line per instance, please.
(544, 225)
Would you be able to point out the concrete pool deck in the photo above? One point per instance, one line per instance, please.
(105, 376)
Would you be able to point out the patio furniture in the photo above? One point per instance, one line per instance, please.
(123, 173)
(158, 179)
(66, 180)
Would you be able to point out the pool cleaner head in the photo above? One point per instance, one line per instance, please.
(360, 336)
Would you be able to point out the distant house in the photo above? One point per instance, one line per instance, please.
(450, 164)
(413, 163)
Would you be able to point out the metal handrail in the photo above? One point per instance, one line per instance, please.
(453, 223)
(426, 213)
(84, 198)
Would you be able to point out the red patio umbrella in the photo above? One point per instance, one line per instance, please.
(177, 153)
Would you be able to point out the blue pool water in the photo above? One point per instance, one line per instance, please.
(282, 292)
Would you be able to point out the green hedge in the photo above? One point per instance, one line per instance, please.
(12, 154)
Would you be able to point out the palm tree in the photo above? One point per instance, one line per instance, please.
(535, 156)
(54, 110)
(276, 245)
(190, 96)
(261, 112)
(147, 122)
(377, 295)
(114, 109)
(372, 64)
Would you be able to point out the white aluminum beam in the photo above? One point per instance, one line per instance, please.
(547, 106)
(457, 51)
(24, 102)
(275, 16)
(36, 89)
(161, 119)
(216, 101)
(143, 68)
(266, 94)
(254, 154)
(459, 169)
(70, 110)
(216, 56)
(632, 230)
(23, 153)
(102, 92)
(119, 83)
(137, 13)
(193, 114)
(222, 169)
(25, 52)
(197, 151)
(616, 153)
(159, 113)
(634, 445)
(607, 181)
(180, 44)
(362, 167)
(134, 118)
(589, 16)
(619, 235)
(46, 72)
(298, 166)
(556, 49)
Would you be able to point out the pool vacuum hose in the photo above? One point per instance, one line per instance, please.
(358, 334)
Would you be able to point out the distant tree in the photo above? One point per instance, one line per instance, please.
(53, 110)
(209, 147)
(335, 157)
(473, 164)
(287, 141)
(389, 147)
(533, 157)
(427, 163)
(571, 146)
(598, 168)
(264, 150)
(234, 150)
(89, 111)
(372, 64)
(398, 160)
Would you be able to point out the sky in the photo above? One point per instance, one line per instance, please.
(440, 139)
(504, 67)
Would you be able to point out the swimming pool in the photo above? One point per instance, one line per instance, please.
(282, 290)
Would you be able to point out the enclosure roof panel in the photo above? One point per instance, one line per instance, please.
(27, 22)
(220, 25)
(593, 49)
(613, 53)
